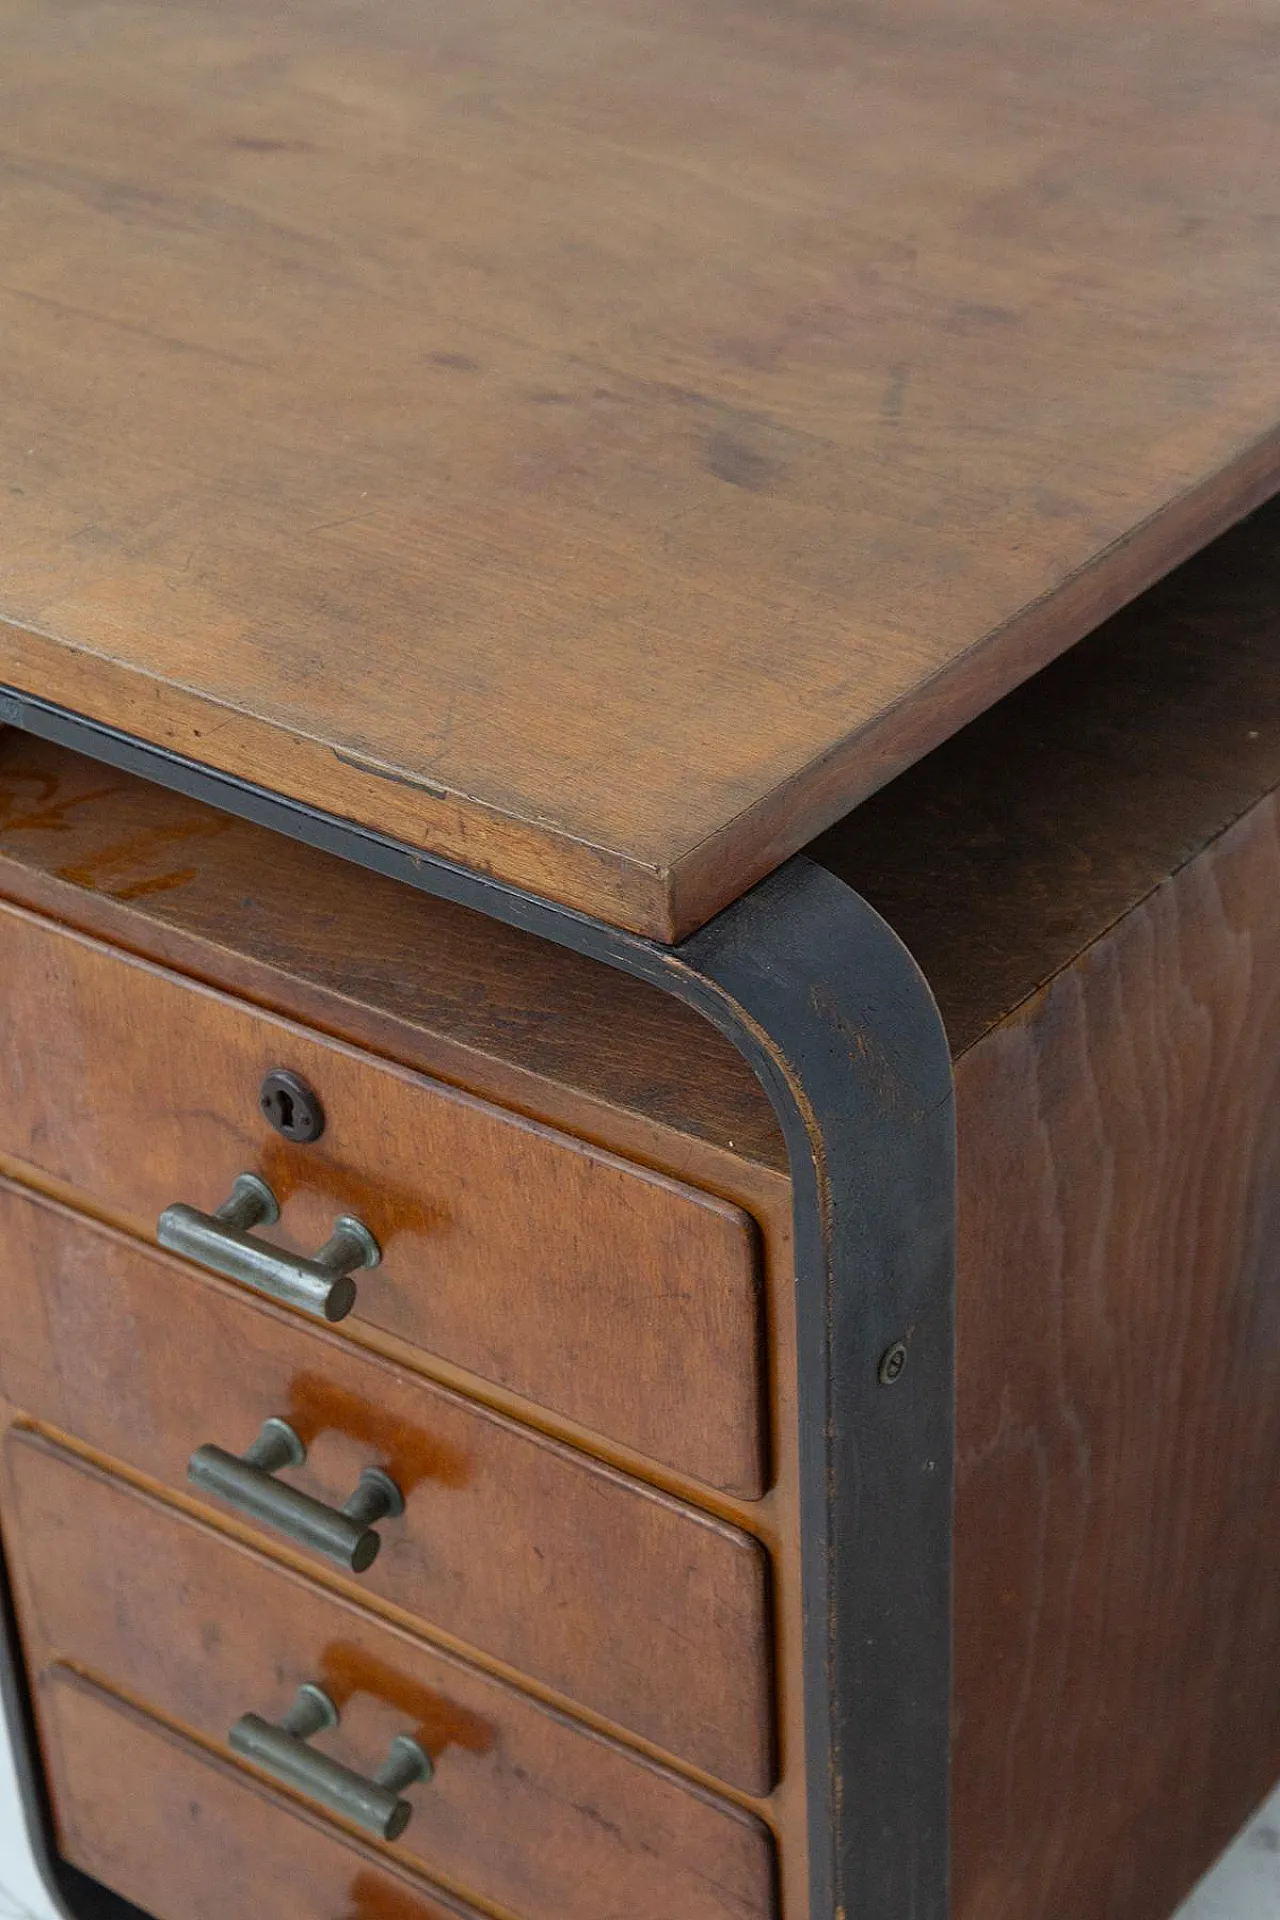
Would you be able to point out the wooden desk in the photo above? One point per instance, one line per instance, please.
(537, 543)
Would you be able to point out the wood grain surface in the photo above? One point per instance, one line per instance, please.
(186, 1836)
(627, 1301)
(619, 1598)
(601, 442)
(524, 1809)
(1118, 1611)
(417, 979)
(1010, 850)
(441, 990)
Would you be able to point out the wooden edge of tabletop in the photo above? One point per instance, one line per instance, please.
(783, 822)
(664, 903)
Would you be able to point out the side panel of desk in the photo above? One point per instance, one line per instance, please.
(1118, 1494)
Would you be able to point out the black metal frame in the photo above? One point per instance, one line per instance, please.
(835, 1019)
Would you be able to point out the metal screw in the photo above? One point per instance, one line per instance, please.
(892, 1363)
(291, 1106)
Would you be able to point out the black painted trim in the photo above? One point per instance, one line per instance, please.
(829, 1009)
(317, 829)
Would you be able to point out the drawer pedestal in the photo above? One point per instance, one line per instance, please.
(691, 1605)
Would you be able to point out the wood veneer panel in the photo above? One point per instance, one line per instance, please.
(619, 1298)
(1118, 1612)
(1012, 848)
(419, 979)
(597, 442)
(525, 1809)
(185, 1836)
(579, 1577)
(998, 859)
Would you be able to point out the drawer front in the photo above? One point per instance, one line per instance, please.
(620, 1299)
(525, 1809)
(185, 1836)
(617, 1596)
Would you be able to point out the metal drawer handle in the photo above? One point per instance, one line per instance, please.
(374, 1805)
(245, 1481)
(221, 1240)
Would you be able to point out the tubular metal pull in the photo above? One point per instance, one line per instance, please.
(321, 1285)
(376, 1805)
(247, 1483)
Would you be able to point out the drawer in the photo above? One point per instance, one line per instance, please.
(620, 1597)
(525, 1809)
(623, 1300)
(185, 1836)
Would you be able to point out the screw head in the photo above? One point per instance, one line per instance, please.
(892, 1363)
(291, 1106)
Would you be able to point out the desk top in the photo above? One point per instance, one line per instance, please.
(600, 441)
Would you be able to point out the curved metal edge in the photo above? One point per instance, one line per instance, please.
(832, 1014)
(842, 1030)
